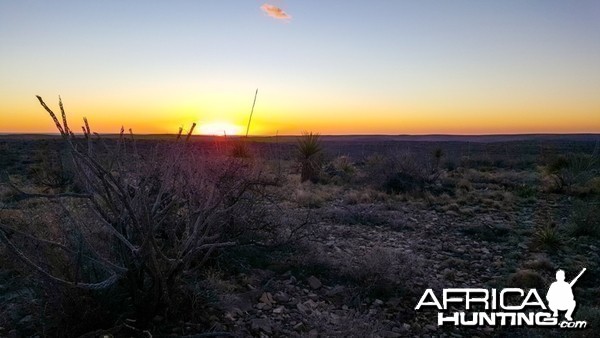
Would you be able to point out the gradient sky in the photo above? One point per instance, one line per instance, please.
(335, 67)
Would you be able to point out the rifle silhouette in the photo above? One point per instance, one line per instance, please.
(576, 278)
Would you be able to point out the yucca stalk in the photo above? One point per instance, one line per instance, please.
(240, 148)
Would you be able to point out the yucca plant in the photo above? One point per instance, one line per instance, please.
(309, 153)
(548, 237)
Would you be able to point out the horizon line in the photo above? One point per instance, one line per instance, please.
(324, 135)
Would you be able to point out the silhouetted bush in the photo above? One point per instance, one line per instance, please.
(144, 220)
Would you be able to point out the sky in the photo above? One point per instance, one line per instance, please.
(333, 67)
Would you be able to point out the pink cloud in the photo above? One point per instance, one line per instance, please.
(275, 12)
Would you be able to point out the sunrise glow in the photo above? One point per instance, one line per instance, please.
(219, 129)
(410, 67)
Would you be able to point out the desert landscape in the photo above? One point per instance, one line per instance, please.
(292, 236)
(286, 168)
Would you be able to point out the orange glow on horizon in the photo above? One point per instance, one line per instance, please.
(228, 115)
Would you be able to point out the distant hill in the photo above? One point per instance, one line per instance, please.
(358, 138)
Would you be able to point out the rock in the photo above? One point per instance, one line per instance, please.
(336, 290)
(242, 301)
(314, 282)
(302, 308)
(230, 316)
(377, 302)
(266, 298)
(261, 324)
(311, 304)
(394, 302)
(334, 319)
(313, 333)
(299, 327)
(430, 327)
(281, 297)
(279, 310)
(313, 296)
(390, 334)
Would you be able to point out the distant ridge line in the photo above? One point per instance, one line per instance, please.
(485, 138)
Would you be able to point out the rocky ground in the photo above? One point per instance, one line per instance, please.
(365, 260)
(409, 249)
(365, 265)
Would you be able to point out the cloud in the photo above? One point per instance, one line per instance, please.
(275, 12)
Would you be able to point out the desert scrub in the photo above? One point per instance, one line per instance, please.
(309, 199)
(312, 195)
(8, 157)
(240, 148)
(341, 170)
(526, 279)
(585, 219)
(401, 173)
(526, 192)
(573, 169)
(144, 220)
(464, 185)
(382, 272)
(547, 237)
(364, 196)
(309, 150)
(52, 169)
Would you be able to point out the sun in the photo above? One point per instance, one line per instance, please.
(219, 129)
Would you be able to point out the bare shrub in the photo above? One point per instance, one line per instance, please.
(383, 272)
(567, 171)
(402, 173)
(144, 220)
(340, 170)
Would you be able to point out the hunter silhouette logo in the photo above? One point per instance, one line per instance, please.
(560, 295)
(505, 307)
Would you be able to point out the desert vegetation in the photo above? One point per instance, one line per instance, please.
(289, 236)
